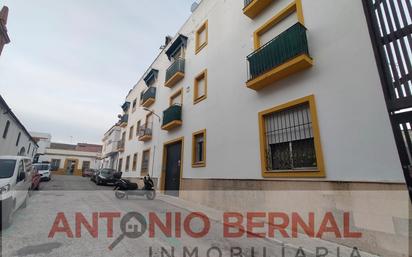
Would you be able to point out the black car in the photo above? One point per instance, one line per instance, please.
(105, 176)
(94, 176)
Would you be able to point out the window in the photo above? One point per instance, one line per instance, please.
(28, 150)
(289, 140)
(200, 88)
(18, 139)
(201, 37)
(127, 163)
(199, 149)
(131, 133)
(284, 19)
(134, 105)
(6, 129)
(85, 165)
(20, 170)
(145, 162)
(138, 128)
(177, 98)
(55, 164)
(120, 164)
(134, 165)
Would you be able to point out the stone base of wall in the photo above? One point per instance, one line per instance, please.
(380, 211)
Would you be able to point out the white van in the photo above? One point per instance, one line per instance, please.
(15, 181)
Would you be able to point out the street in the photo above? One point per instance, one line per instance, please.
(30, 233)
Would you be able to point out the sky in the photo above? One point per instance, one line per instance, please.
(71, 63)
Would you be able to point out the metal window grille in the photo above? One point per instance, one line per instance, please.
(199, 148)
(289, 139)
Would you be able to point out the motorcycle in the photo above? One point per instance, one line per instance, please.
(123, 187)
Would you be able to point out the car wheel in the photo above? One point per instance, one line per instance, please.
(119, 195)
(37, 187)
(7, 221)
(98, 182)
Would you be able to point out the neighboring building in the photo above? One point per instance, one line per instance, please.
(67, 159)
(270, 95)
(43, 140)
(112, 145)
(4, 37)
(14, 137)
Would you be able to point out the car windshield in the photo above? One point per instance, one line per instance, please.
(106, 172)
(7, 168)
(41, 166)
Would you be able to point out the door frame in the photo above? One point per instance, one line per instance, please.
(164, 159)
(66, 164)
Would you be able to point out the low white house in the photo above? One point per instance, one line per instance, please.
(14, 137)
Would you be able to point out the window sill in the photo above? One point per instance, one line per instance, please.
(198, 164)
(199, 99)
(294, 174)
(199, 48)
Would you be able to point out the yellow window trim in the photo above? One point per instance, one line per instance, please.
(295, 6)
(164, 158)
(176, 94)
(148, 164)
(196, 97)
(198, 46)
(320, 171)
(202, 163)
(256, 7)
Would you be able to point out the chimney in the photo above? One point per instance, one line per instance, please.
(3, 15)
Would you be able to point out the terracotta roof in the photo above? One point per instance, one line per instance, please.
(62, 146)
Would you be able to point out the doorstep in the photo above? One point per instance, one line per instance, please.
(303, 241)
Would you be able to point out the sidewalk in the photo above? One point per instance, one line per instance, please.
(308, 244)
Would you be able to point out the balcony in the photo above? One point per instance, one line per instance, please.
(120, 146)
(253, 7)
(123, 120)
(283, 56)
(148, 97)
(175, 72)
(172, 117)
(145, 132)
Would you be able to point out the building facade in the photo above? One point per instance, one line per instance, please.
(4, 36)
(15, 139)
(112, 144)
(266, 95)
(67, 159)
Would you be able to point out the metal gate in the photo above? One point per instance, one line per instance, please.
(390, 28)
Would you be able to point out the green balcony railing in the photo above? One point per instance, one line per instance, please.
(177, 66)
(174, 112)
(247, 2)
(284, 47)
(149, 93)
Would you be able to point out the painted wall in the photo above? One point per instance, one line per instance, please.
(8, 145)
(356, 136)
(62, 155)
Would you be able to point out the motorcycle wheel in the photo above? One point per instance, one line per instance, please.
(151, 195)
(119, 195)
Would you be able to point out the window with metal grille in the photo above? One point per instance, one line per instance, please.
(145, 163)
(289, 139)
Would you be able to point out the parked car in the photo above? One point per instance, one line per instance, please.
(15, 182)
(105, 176)
(44, 170)
(94, 176)
(88, 172)
(35, 180)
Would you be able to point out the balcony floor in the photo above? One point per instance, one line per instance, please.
(145, 138)
(174, 79)
(288, 68)
(256, 7)
(148, 102)
(171, 125)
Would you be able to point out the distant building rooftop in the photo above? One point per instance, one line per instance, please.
(82, 147)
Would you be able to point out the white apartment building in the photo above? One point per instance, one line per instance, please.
(15, 139)
(267, 95)
(112, 144)
(43, 141)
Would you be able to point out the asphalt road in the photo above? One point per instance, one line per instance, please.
(31, 233)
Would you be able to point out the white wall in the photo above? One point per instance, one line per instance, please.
(356, 136)
(8, 145)
(62, 155)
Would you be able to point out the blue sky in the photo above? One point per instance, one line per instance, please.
(71, 63)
